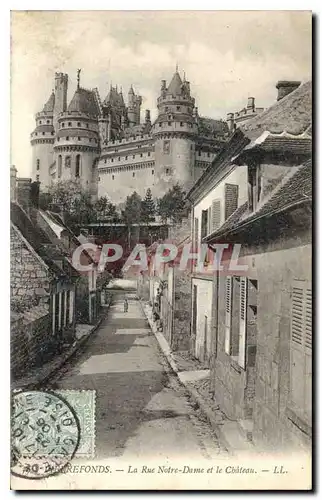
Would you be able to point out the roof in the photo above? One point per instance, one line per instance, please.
(36, 238)
(175, 85)
(114, 98)
(84, 102)
(292, 114)
(293, 190)
(49, 106)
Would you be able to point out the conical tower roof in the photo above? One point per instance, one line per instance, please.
(175, 84)
(49, 106)
(83, 102)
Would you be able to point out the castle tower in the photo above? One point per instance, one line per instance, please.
(76, 148)
(42, 142)
(134, 108)
(61, 88)
(174, 132)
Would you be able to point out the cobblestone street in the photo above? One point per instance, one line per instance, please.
(141, 408)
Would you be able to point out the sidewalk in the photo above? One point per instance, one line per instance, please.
(40, 375)
(196, 379)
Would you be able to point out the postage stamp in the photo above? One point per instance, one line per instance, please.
(49, 429)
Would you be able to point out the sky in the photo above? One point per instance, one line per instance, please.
(226, 56)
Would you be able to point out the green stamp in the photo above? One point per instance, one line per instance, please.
(83, 404)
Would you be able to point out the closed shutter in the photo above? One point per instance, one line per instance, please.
(196, 234)
(216, 215)
(209, 229)
(301, 347)
(228, 298)
(242, 322)
(231, 199)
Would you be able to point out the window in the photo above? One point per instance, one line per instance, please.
(254, 186)
(178, 108)
(133, 175)
(149, 154)
(37, 178)
(48, 121)
(181, 124)
(67, 138)
(160, 124)
(78, 166)
(167, 171)
(301, 350)
(86, 125)
(169, 124)
(63, 124)
(59, 166)
(69, 124)
(52, 133)
(204, 223)
(231, 199)
(79, 138)
(113, 177)
(216, 215)
(38, 164)
(67, 161)
(112, 160)
(126, 157)
(105, 161)
(166, 147)
(43, 133)
(141, 155)
(152, 172)
(133, 157)
(79, 124)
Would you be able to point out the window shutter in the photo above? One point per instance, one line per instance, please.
(209, 229)
(301, 347)
(196, 235)
(242, 322)
(216, 216)
(231, 199)
(228, 297)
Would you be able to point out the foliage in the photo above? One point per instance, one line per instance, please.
(133, 209)
(173, 205)
(148, 208)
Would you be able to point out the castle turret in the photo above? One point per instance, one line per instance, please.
(42, 142)
(61, 88)
(174, 131)
(77, 140)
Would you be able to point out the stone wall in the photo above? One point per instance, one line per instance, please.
(31, 342)
(27, 273)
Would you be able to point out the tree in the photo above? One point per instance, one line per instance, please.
(148, 208)
(105, 210)
(132, 210)
(173, 205)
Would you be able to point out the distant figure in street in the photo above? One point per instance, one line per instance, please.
(126, 305)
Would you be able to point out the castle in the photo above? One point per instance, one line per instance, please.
(105, 146)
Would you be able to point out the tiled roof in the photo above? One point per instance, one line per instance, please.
(293, 190)
(35, 237)
(292, 114)
(84, 102)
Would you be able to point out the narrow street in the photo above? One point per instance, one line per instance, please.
(141, 408)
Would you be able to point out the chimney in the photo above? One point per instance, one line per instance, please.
(13, 183)
(251, 103)
(163, 85)
(24, 193)
(285, 87)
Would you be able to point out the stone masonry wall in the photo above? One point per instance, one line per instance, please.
(28, 276)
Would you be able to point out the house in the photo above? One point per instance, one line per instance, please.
(258, 194)
(43, 285)
(88, 298)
